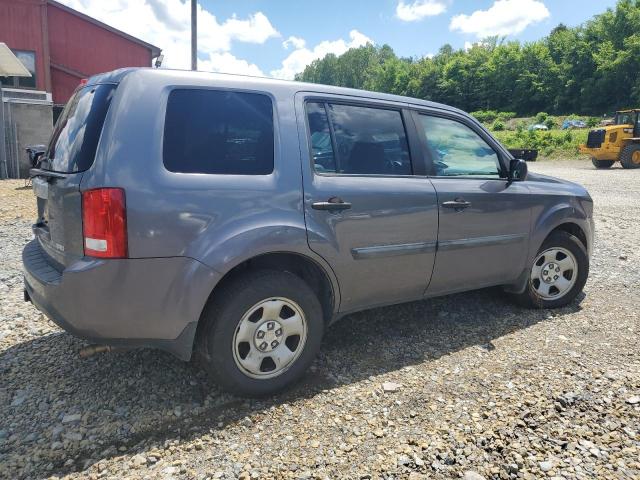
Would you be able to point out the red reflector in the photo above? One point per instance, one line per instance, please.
(83, 81)
(104, 223)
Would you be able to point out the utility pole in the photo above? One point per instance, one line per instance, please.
(194, 35)
(4, 173)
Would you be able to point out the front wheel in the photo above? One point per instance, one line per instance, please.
(630, 156)
(557, 274)
(262, 332)
(602, 163)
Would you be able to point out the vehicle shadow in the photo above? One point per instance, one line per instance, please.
(136, 400)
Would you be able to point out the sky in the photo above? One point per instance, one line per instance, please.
(278, 38)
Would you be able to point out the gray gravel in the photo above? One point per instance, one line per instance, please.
(467, 386)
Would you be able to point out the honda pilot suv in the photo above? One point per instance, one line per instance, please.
(236, 218)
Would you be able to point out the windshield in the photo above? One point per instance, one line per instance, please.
(73, 145)
(625, 118)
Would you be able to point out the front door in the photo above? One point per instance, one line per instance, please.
(484, 219)
(368, 213)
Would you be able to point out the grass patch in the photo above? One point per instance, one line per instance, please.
(550, 143)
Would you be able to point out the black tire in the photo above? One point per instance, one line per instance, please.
(628, 154)
(602, 163)
(222, 319)
(530, 299)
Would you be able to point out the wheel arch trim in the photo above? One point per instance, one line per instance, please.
(233, 265)
(304, 254)
(561, 214)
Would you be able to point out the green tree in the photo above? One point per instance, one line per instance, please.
(589, 69)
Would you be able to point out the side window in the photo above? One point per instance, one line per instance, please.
(457, 150)
(369, 141)
(218, 132)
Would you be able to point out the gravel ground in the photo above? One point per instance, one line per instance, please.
(466, 386)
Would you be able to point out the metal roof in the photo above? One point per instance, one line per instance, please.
(155, 51)
(10, 66)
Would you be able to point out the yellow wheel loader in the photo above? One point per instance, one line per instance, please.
(617, 142)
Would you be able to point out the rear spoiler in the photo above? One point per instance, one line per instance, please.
(526, 154)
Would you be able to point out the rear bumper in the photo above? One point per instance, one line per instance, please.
(154, 302)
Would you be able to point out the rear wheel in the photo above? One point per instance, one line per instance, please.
(630, 156)
(557, 274)
(263, 331)
(602, 163)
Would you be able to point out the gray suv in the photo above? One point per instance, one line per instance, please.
(235, 218)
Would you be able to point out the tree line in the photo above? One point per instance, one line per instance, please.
(590, 69)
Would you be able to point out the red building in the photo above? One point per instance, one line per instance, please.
(60, 46)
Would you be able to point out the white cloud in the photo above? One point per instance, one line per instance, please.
(301, 57)
(257, 29)
(167, 24)
(296, 42)
(419, 9)
(227, 63)
(504, 17)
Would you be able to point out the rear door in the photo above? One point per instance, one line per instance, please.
(370, 211)
(56, 184)
(484, 219)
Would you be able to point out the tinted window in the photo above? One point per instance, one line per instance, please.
(218, 132)
(73, 145)
(369, 141)
(457, 150)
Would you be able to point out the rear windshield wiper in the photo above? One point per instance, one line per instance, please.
(38, 172)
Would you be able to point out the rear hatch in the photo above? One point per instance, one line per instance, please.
(56, 184)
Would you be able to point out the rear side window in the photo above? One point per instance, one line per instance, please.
(218, 132)
(367, 140)
(73, 145)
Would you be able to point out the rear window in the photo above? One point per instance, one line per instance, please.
(218, 132)
(73, 145)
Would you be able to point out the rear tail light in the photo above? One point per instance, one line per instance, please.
(104, 223)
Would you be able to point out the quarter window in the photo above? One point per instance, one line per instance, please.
(348, 139)
(457, 150)
(321, 147)
(218, 132)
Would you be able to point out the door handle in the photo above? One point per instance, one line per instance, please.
(333, 204)
(458, 204)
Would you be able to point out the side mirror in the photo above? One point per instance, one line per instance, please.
(518, 170)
